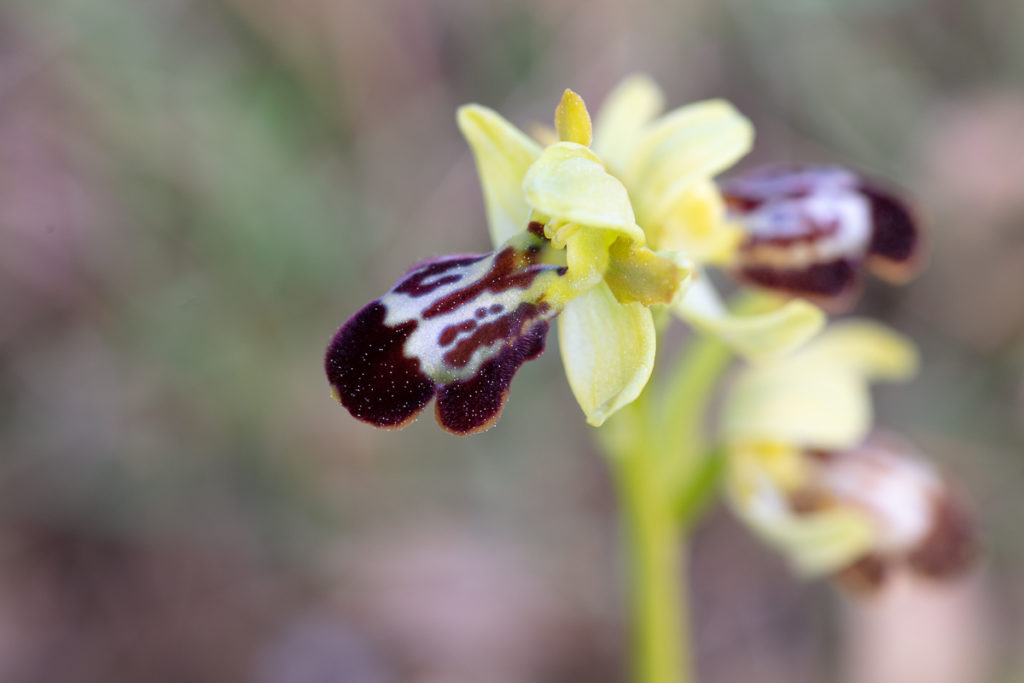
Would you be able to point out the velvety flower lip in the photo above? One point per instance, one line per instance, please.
(809, 230)
(458, 327)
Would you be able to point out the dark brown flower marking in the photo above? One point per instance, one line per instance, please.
(475, 404)
(369, 373)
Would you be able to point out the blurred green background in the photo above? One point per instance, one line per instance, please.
(195, 194)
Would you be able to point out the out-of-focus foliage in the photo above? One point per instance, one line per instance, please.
(193, 194)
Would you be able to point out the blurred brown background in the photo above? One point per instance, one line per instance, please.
(195, 193)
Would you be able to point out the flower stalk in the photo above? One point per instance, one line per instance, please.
(663, 477)
(660, 633)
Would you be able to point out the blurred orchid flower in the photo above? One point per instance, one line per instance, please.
(807, 474)
(810, 230)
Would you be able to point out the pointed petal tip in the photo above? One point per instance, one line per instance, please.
(572, 120)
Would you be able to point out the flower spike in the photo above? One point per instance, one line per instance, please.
(458, 327)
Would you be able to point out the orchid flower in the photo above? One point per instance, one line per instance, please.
(459, 327)
(808, 474)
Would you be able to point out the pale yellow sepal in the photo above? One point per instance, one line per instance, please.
(874, 350)
(608, 351)
(818, 396)
(568, 184)
(572, 120)
(687, 145)
(806, 401)
(629, 107)
(755, 336)
(503, 154)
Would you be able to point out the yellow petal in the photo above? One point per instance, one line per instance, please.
(503, 155)
(696, 224)
(869, 348)
(815, 543)
(572, 120)
(568, 184)
(756, 336)
(632, 105)
(810, 402)
(639, 274)
(690, 144)
(608, 351)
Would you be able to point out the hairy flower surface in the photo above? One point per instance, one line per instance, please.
(806, 473)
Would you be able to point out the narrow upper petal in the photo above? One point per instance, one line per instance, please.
(690, 144)
(456, 326)
(503, 153)
(569, 185)
(572, 121)
(639, 274)
(756, 336)
(608, 351)
(628, 109)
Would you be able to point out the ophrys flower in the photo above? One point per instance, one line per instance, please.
(811, 477)
(459, 327)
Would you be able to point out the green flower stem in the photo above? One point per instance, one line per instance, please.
(691, 384)
(659, 627)
(659, 454)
